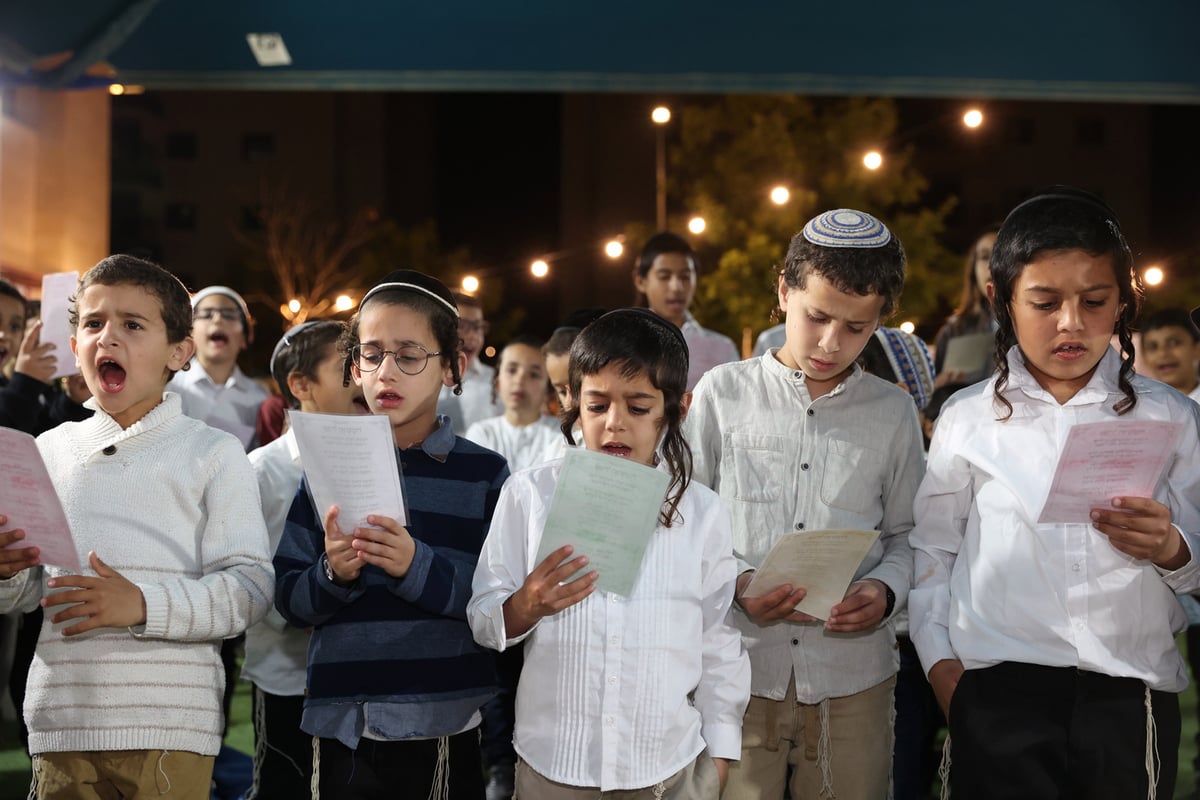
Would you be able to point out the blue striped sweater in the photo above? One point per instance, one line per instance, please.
(397, 654)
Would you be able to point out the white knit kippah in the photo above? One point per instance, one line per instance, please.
(845, 227)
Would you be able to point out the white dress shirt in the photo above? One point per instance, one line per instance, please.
(1057, 595)
(706, 349)
(620, 693)
(231, 407)
(523, 446)
(475, 403)
(781, 461)
(277, 653)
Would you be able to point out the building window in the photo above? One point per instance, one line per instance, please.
(257, 146)
(181, 216)
(181, 145)
(1090, 132)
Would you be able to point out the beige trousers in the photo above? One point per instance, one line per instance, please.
(840, 749)
(696, 781)
(120, 774)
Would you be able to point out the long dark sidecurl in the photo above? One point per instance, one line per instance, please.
(1055, 219)
(637, 345)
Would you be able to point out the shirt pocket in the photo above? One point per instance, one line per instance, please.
(757, 467)
(851, 477)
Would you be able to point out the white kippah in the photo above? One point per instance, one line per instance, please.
(845, 227)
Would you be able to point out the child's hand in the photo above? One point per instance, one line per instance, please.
(389, 547)
(35, 359)
(722, 765)
(1142, 529)
(544, 591)
(861, 609)
(107, 601)
(777, 604)
(339, 550)
(943, 678)
(19, 558)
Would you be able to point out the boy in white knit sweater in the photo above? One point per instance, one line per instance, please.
(124, 696)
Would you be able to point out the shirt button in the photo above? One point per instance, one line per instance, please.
(797, 374)
(799, 526)
(795, 641)
(110, 450)
(612, 679)
(615, 598)
(811, 412)
(610, 720)
(804, 466)
(1075, 567)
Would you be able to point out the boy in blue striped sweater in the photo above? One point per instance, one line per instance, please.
(395, 679)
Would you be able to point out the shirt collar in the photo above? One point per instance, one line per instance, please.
(1105, 381)
(776, 367)
(438, 444)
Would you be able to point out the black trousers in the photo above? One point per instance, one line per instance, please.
(1027, 732)
(399, 770)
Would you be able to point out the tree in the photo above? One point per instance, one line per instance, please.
(732, 151)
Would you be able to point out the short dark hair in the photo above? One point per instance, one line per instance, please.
(659, 244)
(126, 270)
(303, 351)
(464, 300)
(8, 290)
(1170, 318)
(861, 270)
(1055, 219)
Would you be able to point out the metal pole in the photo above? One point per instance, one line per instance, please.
(660, 176)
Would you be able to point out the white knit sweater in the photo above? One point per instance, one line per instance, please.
(173, 506)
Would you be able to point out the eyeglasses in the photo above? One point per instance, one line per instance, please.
(410, 359)
(471, 326)
(227, 314)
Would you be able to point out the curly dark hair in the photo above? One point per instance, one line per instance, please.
(861, 270)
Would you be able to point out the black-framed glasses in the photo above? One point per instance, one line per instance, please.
(472, 326)
(410, 359)
(227, 314)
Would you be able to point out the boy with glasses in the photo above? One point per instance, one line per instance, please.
(478, 400)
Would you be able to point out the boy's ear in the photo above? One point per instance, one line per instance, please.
(783, 293)
(990, 291)
(181, 353)
(299, 385)
(685, 403)
(639, 282)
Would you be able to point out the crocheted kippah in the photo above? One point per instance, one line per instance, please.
(845, 227)
(911, 362)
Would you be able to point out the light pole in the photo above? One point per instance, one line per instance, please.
(661, 115)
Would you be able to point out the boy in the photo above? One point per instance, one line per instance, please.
(1171, 347)
(215, 390)
(33, 364)
(666, 275)
(308, 367)
(395, 679)
(801, 439)
(171, 505)
(476, 401)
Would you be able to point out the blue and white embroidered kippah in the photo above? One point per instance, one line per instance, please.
(845, 227)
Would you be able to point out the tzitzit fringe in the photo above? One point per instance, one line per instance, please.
(944, 769)
(1153, 762)
(825, 753)
(440, 790)
(315, 784)
(261, 745)
(163, 772)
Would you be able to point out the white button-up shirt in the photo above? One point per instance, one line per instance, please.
(1057, 595)
(706, 349)
(781, 461)
(522, 446)
(620, 693)
(231, 406)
